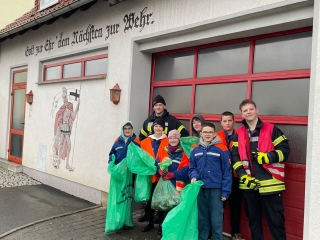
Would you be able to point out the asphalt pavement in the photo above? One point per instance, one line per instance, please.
(30, 210)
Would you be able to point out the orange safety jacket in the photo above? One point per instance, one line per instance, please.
(146, 145)
(223, 138)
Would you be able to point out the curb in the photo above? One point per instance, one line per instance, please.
(47, 219)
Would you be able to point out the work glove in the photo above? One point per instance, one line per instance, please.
(168, 176)
(162, 172)
(262, 158)
(250, 182)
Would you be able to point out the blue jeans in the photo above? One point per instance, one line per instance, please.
(210, 213)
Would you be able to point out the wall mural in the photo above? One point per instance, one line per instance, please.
(131, 21)
(64, 115)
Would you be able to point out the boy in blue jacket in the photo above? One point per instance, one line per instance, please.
(210, 163)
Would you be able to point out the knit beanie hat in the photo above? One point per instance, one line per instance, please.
(159, 121)
(174, 133)
(158, 99)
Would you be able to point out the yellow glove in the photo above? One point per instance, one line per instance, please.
(263, 158)
(250, 182)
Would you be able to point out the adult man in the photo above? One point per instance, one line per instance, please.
(226, 135)
(171, 123)
(62, 130)
(159, 111)
(258, 155)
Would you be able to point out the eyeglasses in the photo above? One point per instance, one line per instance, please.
(173, 138)
(127, 129)
(208, 133)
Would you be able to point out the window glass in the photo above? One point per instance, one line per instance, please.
(72, 70)
(178, 99)
(297, 136)
(217, 98)
(53, 73)
(224, 60)
(282, 97)
(20, 77)
(47, 3)
(98, 66)
(288, 52)
(174, 66)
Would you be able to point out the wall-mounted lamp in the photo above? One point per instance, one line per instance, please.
(29, 97)
(115, 94)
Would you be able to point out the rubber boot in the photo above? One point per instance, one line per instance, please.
(149, 226)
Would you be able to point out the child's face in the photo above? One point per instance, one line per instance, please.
(227, 123)
(174, 141)
(208, 134)
(158, 129)
(249, 112)
(196, 123)
(127, 130)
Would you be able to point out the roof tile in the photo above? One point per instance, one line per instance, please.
(35, 14)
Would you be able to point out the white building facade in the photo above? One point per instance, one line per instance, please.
(204, 57)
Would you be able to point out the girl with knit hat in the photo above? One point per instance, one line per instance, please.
(178, 171)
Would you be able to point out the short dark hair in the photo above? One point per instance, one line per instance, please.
(245, 102)
(227, 113)
(208, 124)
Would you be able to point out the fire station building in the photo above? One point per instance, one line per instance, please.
(59, 61)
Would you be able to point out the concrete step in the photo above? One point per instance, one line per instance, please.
(11, 166)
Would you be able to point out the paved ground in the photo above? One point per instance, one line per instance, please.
(30, 210)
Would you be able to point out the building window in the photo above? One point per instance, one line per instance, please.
(47, 3)
(273, 70)
(76, 69)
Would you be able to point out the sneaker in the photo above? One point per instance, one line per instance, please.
(236, 236)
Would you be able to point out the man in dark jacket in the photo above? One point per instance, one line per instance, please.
(159, 111)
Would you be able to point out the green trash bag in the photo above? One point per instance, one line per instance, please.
(181, 223)
(188, 144)
(119, 210)
(141, 163)
(142, 188)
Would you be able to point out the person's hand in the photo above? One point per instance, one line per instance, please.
(262, 158)
(223, 199)
(162, 172)
(250, 182)
(193, 180)
(168, 176)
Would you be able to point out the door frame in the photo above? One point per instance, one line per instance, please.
(16, 86)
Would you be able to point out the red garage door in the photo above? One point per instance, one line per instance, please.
(273, 70)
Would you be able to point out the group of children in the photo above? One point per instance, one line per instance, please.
(209, 162)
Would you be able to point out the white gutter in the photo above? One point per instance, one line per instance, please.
(44, 18)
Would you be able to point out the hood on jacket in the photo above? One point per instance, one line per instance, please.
(122, 132)
(214, 141)
(194, 132)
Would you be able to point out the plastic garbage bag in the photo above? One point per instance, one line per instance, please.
(165, 196)
(119, 210)
(181, 223)
(142, 188)
(188, 144)
(141, 163)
